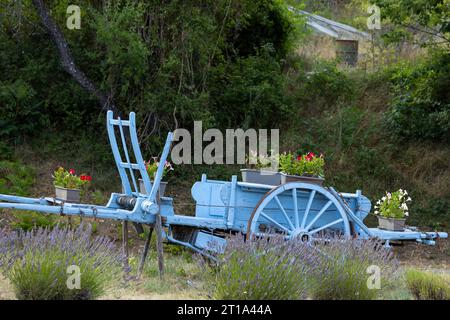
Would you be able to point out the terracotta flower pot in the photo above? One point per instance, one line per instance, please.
(391, 224)
(69, 195)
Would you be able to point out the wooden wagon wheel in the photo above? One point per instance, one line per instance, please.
(298, 210)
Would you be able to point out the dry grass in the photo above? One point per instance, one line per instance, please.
(427, 166)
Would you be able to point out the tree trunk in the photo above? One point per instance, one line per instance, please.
(67, 60)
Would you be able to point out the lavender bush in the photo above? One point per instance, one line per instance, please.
(263, 269)
(277, 269)
(341, 272)
(36, 262)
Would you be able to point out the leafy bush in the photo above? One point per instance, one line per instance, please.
(427, 285)
(341, 272)
(15, 178)
(19, 113)
(325, 85)
(262, 269)
(251, 90)
(421, 103)
(36, 262)
(167, 70)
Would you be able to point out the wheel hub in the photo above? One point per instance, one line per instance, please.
(301, 234)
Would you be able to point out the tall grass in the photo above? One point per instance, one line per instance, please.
(427, 285)
(36, 263)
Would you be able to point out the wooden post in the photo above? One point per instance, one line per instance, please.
(144, 254)
(125, 240)
(159, 244)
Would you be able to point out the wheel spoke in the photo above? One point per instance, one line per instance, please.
(294, 197)
(284, 212)
(268, 219)
(274, 222)
(308, 207)
(326, 226)
(319, 214)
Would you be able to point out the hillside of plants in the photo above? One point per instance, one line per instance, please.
(380, 126)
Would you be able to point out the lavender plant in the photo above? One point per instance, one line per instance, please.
(263, 269)
(342, 270)
(36, 262)
(278, 269)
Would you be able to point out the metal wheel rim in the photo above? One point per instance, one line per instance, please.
(298, 225)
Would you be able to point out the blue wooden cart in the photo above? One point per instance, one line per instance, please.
(299, 211)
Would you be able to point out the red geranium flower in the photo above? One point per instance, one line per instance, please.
(88, 178)
(72, 171)
(299, 158)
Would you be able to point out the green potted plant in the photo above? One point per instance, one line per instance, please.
(307, 168)
(392, 209)
(68, 185)
(152, 167)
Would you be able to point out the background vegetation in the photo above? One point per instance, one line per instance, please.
(381, 126)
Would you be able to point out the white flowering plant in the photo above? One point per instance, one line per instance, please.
(393, 205)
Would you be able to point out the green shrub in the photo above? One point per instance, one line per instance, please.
(15, 178)
(36, 263)
(20, 112)
(252, 90)
(427, 285)
(324, 85)
(30, 220)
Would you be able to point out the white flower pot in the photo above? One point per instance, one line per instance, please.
(69, 195)
(261, 176)
(391, 224)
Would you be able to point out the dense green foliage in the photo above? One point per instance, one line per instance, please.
(168, 61)
(229, 64)
(421, 102)
(16, 178)
(431, 17)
